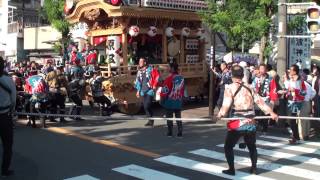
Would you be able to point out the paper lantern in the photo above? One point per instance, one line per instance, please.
(169, 32)
(186, 32)
(174, 48)
(134, 31)
(152, 31)
(201, 33)
(115, 2)
(68, 6)
(69, 3)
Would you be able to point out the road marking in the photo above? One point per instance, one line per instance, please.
(206, 168)
(83, 177)
(286, 139)
(145, 173)
(262, 164)
(103, 142)
(288, 147)
(281, 155)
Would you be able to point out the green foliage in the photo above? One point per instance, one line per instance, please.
(54, 12)
(244, 19)
(295, 23)
(240, 19)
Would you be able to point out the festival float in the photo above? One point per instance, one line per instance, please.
(162, 30)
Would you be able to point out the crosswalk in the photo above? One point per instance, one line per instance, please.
(277, 160)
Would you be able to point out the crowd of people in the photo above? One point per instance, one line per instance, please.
(296, 94)
(37, 89)
(45, 88)
(242, 91)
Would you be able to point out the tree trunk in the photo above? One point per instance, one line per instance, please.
(263, 45)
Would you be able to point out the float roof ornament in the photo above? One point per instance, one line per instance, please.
(157, 9)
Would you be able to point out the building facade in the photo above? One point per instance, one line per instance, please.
(15, 15)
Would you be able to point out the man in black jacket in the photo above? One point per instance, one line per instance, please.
(7, 107)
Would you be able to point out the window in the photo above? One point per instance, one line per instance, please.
(12, 15)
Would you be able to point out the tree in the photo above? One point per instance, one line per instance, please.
(239, 19)
(243, 20)
(54, 12)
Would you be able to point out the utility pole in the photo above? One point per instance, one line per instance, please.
(282, 41)
(212, 78)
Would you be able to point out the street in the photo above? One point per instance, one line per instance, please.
(114, 149)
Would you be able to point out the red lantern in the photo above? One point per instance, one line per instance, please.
(115, 2)
(66, 9)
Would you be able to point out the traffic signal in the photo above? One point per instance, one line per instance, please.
(313, 19)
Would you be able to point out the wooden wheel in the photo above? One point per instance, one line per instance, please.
(130, 109)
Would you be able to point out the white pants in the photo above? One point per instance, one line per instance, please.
(304, 125)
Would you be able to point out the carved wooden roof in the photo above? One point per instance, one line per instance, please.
(83, 7)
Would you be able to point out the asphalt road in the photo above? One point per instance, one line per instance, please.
(116, 150)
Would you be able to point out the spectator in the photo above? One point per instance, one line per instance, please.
(295, 91)
(8, 101)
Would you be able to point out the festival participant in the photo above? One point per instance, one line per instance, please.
(238, 102)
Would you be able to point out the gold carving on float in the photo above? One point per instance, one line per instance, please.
(92, 14)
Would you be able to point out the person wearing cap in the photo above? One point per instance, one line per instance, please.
(58, 85)
(7, 107)
(238, 102)
(98, 94)
(146, 84)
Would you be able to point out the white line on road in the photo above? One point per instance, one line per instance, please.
(262, 164)
(83, 177)
(281, 155)
(286, 139)
(288, 147)
(207, 168)
(145, 173)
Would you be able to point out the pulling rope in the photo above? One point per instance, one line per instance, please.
(269, 117)
(127, 118)
(113, 117)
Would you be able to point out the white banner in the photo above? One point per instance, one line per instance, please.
(113, 50)
(299, 48)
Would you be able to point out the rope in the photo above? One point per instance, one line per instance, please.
(158, 118)
(269, 117)
(112, 117)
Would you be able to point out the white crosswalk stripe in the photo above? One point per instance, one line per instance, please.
(262, 164)
(280, 145)
(145, 173)
(206, 168)
(303, 153)
(83, 177)
(281, 155)
(286, 139)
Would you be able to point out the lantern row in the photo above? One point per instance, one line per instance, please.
(170, 31)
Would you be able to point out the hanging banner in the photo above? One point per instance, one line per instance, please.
(299, 48)
(113, 50)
